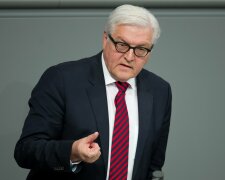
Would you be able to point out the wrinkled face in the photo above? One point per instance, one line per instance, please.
(123, 66)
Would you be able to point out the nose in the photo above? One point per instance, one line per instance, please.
(129, 55)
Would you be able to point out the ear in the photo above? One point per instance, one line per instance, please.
(104, 39)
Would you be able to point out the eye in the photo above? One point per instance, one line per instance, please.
(141, 49)
(122, 46)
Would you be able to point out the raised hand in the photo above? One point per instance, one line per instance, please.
(86, 149)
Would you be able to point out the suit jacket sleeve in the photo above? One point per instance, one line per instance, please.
(158, 155)
(40, 145)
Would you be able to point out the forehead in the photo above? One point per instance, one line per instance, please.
(133, 34)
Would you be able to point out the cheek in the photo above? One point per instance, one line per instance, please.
(114, 59)
(139, 66)
(110, 60)
(113, 63)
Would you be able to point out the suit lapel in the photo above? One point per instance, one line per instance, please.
(97, 96)
(145, 103)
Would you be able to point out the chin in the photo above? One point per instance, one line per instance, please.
(123, 79)
(123, 76)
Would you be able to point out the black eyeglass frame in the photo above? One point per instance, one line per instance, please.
(129, 47)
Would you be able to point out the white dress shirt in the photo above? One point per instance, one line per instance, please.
(132, 107)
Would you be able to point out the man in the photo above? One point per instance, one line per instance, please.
(75, 131)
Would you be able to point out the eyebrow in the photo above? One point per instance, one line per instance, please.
(140, 45)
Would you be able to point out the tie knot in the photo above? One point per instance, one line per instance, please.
(122, 86)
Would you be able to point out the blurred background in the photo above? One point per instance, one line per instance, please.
(190, 54)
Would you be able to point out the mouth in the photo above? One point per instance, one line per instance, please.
(126, 66)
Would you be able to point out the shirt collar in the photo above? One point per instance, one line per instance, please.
(110, 80)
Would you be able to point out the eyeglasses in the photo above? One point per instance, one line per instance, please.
(123, 47)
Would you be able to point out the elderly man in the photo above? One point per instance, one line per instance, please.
(102, 117)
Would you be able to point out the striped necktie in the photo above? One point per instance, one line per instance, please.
(120, 139)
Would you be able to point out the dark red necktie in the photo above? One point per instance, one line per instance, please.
(120, 139)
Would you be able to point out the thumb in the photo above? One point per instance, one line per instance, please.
(92, 137)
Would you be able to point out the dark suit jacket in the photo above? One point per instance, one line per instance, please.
(69, 102)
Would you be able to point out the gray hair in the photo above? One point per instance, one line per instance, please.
(133, 15)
